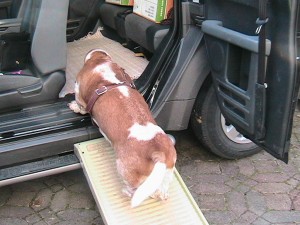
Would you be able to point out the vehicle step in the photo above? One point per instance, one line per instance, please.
(36, 169)
(38, 120)
(98, 162)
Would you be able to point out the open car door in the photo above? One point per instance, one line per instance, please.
(253, 51)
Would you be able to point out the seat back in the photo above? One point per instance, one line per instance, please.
(150, 34)
(46, 21)
(108, 13)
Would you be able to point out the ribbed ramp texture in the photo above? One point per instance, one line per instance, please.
(98, 162)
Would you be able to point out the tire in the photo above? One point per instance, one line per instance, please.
(210, 128)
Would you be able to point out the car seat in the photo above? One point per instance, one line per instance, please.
(44, 76)
(113, 17)
(12, 17)
(144, 32)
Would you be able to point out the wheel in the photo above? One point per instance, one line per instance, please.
(211, 129)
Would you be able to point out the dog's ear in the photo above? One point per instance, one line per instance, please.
(158, 156)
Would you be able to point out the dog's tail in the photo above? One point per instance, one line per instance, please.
(150, 185)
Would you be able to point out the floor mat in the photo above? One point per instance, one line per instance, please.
(77, 50)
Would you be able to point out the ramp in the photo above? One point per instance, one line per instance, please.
(98, 162)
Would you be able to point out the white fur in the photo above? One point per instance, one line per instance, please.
(107, 73)
(150, 185)
(88, 56)
(162, 192)
(101, 131)
(77, 108)
(144, 132)
(104, 135)
(76, 88)
(124, 91)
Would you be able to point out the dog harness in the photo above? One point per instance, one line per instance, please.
(102, 90)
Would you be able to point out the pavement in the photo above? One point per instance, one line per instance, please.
(257, 190)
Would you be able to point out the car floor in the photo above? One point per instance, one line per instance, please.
(77, 50)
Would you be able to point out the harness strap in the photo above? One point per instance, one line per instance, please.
(100, 91)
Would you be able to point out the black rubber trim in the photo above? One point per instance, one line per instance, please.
(37, 166)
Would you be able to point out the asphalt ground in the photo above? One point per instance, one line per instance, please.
(256, 190)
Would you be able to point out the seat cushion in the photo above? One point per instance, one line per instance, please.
(108, 13)
(12, 82)
(145, 32)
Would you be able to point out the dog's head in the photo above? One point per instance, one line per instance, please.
(89, 76)
(99, 53)
(98, 71)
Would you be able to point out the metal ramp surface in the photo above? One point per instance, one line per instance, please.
(98, 162)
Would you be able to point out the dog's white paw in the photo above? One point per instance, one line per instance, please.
(76, 108)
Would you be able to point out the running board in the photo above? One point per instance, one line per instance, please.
(38, 169)
(98, 161)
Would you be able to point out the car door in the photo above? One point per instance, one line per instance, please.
(257, 97)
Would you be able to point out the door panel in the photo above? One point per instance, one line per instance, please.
(261, 111)
(234, 62)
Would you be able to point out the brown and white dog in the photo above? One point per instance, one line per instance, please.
(145, 154)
